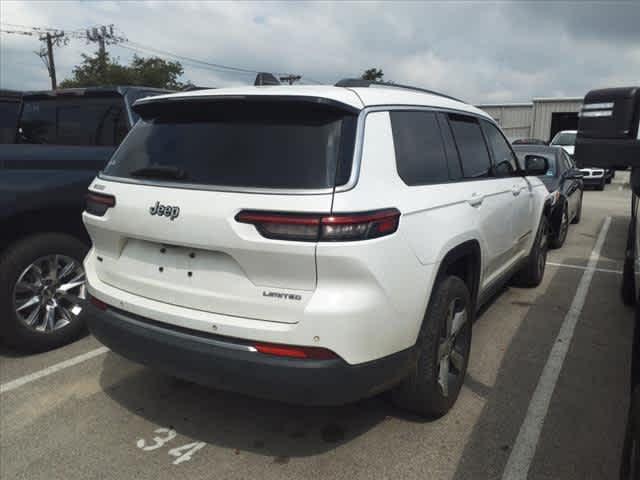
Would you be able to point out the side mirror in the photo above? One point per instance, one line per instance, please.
(574, 175)
(535, 165)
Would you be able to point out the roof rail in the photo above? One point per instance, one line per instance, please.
(358, 82)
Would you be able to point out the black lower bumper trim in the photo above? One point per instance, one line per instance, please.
(201, 359)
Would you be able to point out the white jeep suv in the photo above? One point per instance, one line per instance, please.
(315, 245)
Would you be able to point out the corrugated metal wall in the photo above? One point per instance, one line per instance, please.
(515, 120)
(530, 120)
(542, 110)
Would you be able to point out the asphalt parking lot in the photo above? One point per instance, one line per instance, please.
(539, 395)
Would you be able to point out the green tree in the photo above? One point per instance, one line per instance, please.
(101, 70)
(373, 74)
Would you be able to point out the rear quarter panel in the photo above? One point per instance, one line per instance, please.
(402, 268)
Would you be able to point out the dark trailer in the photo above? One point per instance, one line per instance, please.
(609, 137)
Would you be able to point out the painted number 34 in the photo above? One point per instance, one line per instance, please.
(164, 436)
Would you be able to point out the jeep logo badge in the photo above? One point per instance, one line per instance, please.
(165, 211)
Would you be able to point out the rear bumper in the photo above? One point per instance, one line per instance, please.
(227, 364)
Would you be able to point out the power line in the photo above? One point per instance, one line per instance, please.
(184, 62)
(194, 60)
(106, 35)
(51, 38)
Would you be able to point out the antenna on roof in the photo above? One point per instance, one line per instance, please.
(265, 78)
(358, 82)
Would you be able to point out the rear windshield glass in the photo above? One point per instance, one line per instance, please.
(281, 145)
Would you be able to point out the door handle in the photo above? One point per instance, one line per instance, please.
(516, 190)
(476, 199)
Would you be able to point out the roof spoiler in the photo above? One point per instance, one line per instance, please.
(151, 107)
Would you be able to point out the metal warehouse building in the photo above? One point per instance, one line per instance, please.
(542, 118)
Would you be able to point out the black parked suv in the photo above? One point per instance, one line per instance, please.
(60, 140)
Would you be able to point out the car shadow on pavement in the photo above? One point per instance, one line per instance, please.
(239, 422)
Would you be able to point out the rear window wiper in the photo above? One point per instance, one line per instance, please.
(160, 171)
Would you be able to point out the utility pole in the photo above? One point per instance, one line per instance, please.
(291, 79)
(103, 35)
(46, 54)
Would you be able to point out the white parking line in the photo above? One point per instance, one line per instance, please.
(517, 467)
(32, 377)
(580, 267)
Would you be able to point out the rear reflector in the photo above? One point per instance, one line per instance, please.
(327, 228)
(98, 203)
(308, 353)
(99, 304)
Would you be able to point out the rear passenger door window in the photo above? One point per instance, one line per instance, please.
(96, 121)
(472, 148)
(505, 163)
(420, 152)
(74, 121)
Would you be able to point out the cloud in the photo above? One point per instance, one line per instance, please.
(478, 51)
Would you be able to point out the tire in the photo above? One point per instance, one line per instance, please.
(532, 273)
(578, 215)
(601, 185)
(423, 391)
(29, 283)
(557, 240)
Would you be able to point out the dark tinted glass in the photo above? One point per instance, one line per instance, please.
(9, 112)
(243, 144)
(38, 122)
(74, 121)
(471, 146)
(504, 161)
(91, 122)
(420, 155)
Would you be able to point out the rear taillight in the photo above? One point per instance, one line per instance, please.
(339, 227)
(98, 203)
(289, 351)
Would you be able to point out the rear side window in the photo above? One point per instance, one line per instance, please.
(420, 154)
(504, 160)
(256, 144)
(9, 111)
(38, 122)
(474, 155)
(74, 121)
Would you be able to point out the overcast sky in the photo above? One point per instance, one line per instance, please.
(480, 51)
